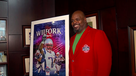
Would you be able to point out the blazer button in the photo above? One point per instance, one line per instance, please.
(72, 60)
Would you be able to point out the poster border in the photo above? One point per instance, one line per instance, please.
(64, 17)
(132, 50)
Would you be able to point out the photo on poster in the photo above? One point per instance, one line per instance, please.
(49, 47)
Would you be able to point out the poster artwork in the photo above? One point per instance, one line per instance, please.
(49, 49)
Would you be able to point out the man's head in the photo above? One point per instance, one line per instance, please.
(57, 54)
(78, 21)
(44, 37)
(48, 45)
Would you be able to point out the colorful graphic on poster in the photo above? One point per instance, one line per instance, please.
(49, 49)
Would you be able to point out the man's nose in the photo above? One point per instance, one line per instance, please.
(75, 21)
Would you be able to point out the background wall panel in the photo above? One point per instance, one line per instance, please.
(3, 9)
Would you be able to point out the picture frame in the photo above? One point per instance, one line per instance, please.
(3, 29)
(92, 20)
(3, 57)
(53, 32)
(26, 30)
(26, 65)
(3, 70)
(132, 49)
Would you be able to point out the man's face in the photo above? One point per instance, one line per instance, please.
(49, 47)
(78, 22)
(57, 55)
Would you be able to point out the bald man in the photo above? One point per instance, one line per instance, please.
(90, 52)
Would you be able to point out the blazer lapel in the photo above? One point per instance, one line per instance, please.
(71, 44)
(80, 41)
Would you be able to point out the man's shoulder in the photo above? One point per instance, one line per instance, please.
(89, 30)
(92, 30)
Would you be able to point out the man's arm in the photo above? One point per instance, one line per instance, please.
(103, 53)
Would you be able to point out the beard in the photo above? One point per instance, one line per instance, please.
(76, 30)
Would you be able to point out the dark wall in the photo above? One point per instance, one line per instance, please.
(114, 18)
(18, 13)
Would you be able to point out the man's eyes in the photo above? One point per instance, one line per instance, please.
(72, 20)
(75, 20)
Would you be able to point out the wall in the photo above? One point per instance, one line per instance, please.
(18, 13)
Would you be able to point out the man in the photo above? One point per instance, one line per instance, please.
(90, 51)
(40, 56)
(58, 61)
(49, 55)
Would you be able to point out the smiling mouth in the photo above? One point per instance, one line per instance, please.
(75, 26)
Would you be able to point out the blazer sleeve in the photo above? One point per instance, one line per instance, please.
(103, 54)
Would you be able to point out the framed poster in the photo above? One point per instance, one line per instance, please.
(49, 47)
(26, 35)
(132, 49)
(92, 20)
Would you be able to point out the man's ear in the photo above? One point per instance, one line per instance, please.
(85, 20)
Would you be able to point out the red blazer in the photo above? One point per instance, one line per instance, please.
(93, 54)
